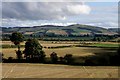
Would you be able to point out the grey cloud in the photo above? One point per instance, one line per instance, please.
(42, 10)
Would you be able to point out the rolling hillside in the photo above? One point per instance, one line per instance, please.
(76, 29)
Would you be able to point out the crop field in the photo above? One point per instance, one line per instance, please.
(105, 45)
(16, 70)
(45, 43)
(58, 42)
(76, 51)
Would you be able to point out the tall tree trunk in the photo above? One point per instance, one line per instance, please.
(18, 47)
(19, 56)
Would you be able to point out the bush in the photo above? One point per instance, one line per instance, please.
(54, 57)
(61, 59)
(68, 58)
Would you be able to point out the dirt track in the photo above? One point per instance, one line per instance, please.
(14, 70)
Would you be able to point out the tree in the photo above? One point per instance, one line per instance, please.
(54, 57)
(68, 58)
(33, 50)
(118, 40)
(17, 38)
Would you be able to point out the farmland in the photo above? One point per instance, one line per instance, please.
(63, 39)
(76, 51)
(16, 70)
(39, 70)
(60, 52)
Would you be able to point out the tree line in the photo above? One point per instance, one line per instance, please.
(85, 37)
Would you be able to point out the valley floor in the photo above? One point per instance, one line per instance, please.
(26, 70)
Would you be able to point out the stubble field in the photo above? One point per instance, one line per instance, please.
(76, 51)
(16, 70)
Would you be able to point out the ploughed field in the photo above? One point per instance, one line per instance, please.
(25, 70)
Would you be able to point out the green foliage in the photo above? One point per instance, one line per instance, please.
(118, 40)
(33, 50)
(54, 57)
(16, 38)
(68, 58)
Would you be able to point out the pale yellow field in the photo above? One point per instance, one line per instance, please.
(57, 43)
(25, 70)
(76, 51)
(46, 43)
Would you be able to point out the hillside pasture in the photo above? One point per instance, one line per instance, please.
(57, 32)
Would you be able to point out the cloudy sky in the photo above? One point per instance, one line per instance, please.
(103, 14)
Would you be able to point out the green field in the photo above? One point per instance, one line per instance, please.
(105, 45)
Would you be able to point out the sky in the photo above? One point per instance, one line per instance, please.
(28, 14)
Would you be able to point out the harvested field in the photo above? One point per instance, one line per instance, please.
(76, 51)
(46, 43)
(16, 70)
(58, 42)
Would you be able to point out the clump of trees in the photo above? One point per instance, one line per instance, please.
(67, 59)
(33, 51)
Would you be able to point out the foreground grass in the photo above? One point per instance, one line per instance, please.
(16, 70)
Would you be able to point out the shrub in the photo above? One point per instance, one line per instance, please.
(61, 59)
(68, 58)
(54, 57)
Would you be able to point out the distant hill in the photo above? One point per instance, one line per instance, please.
(76, 29)
(114, 30)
